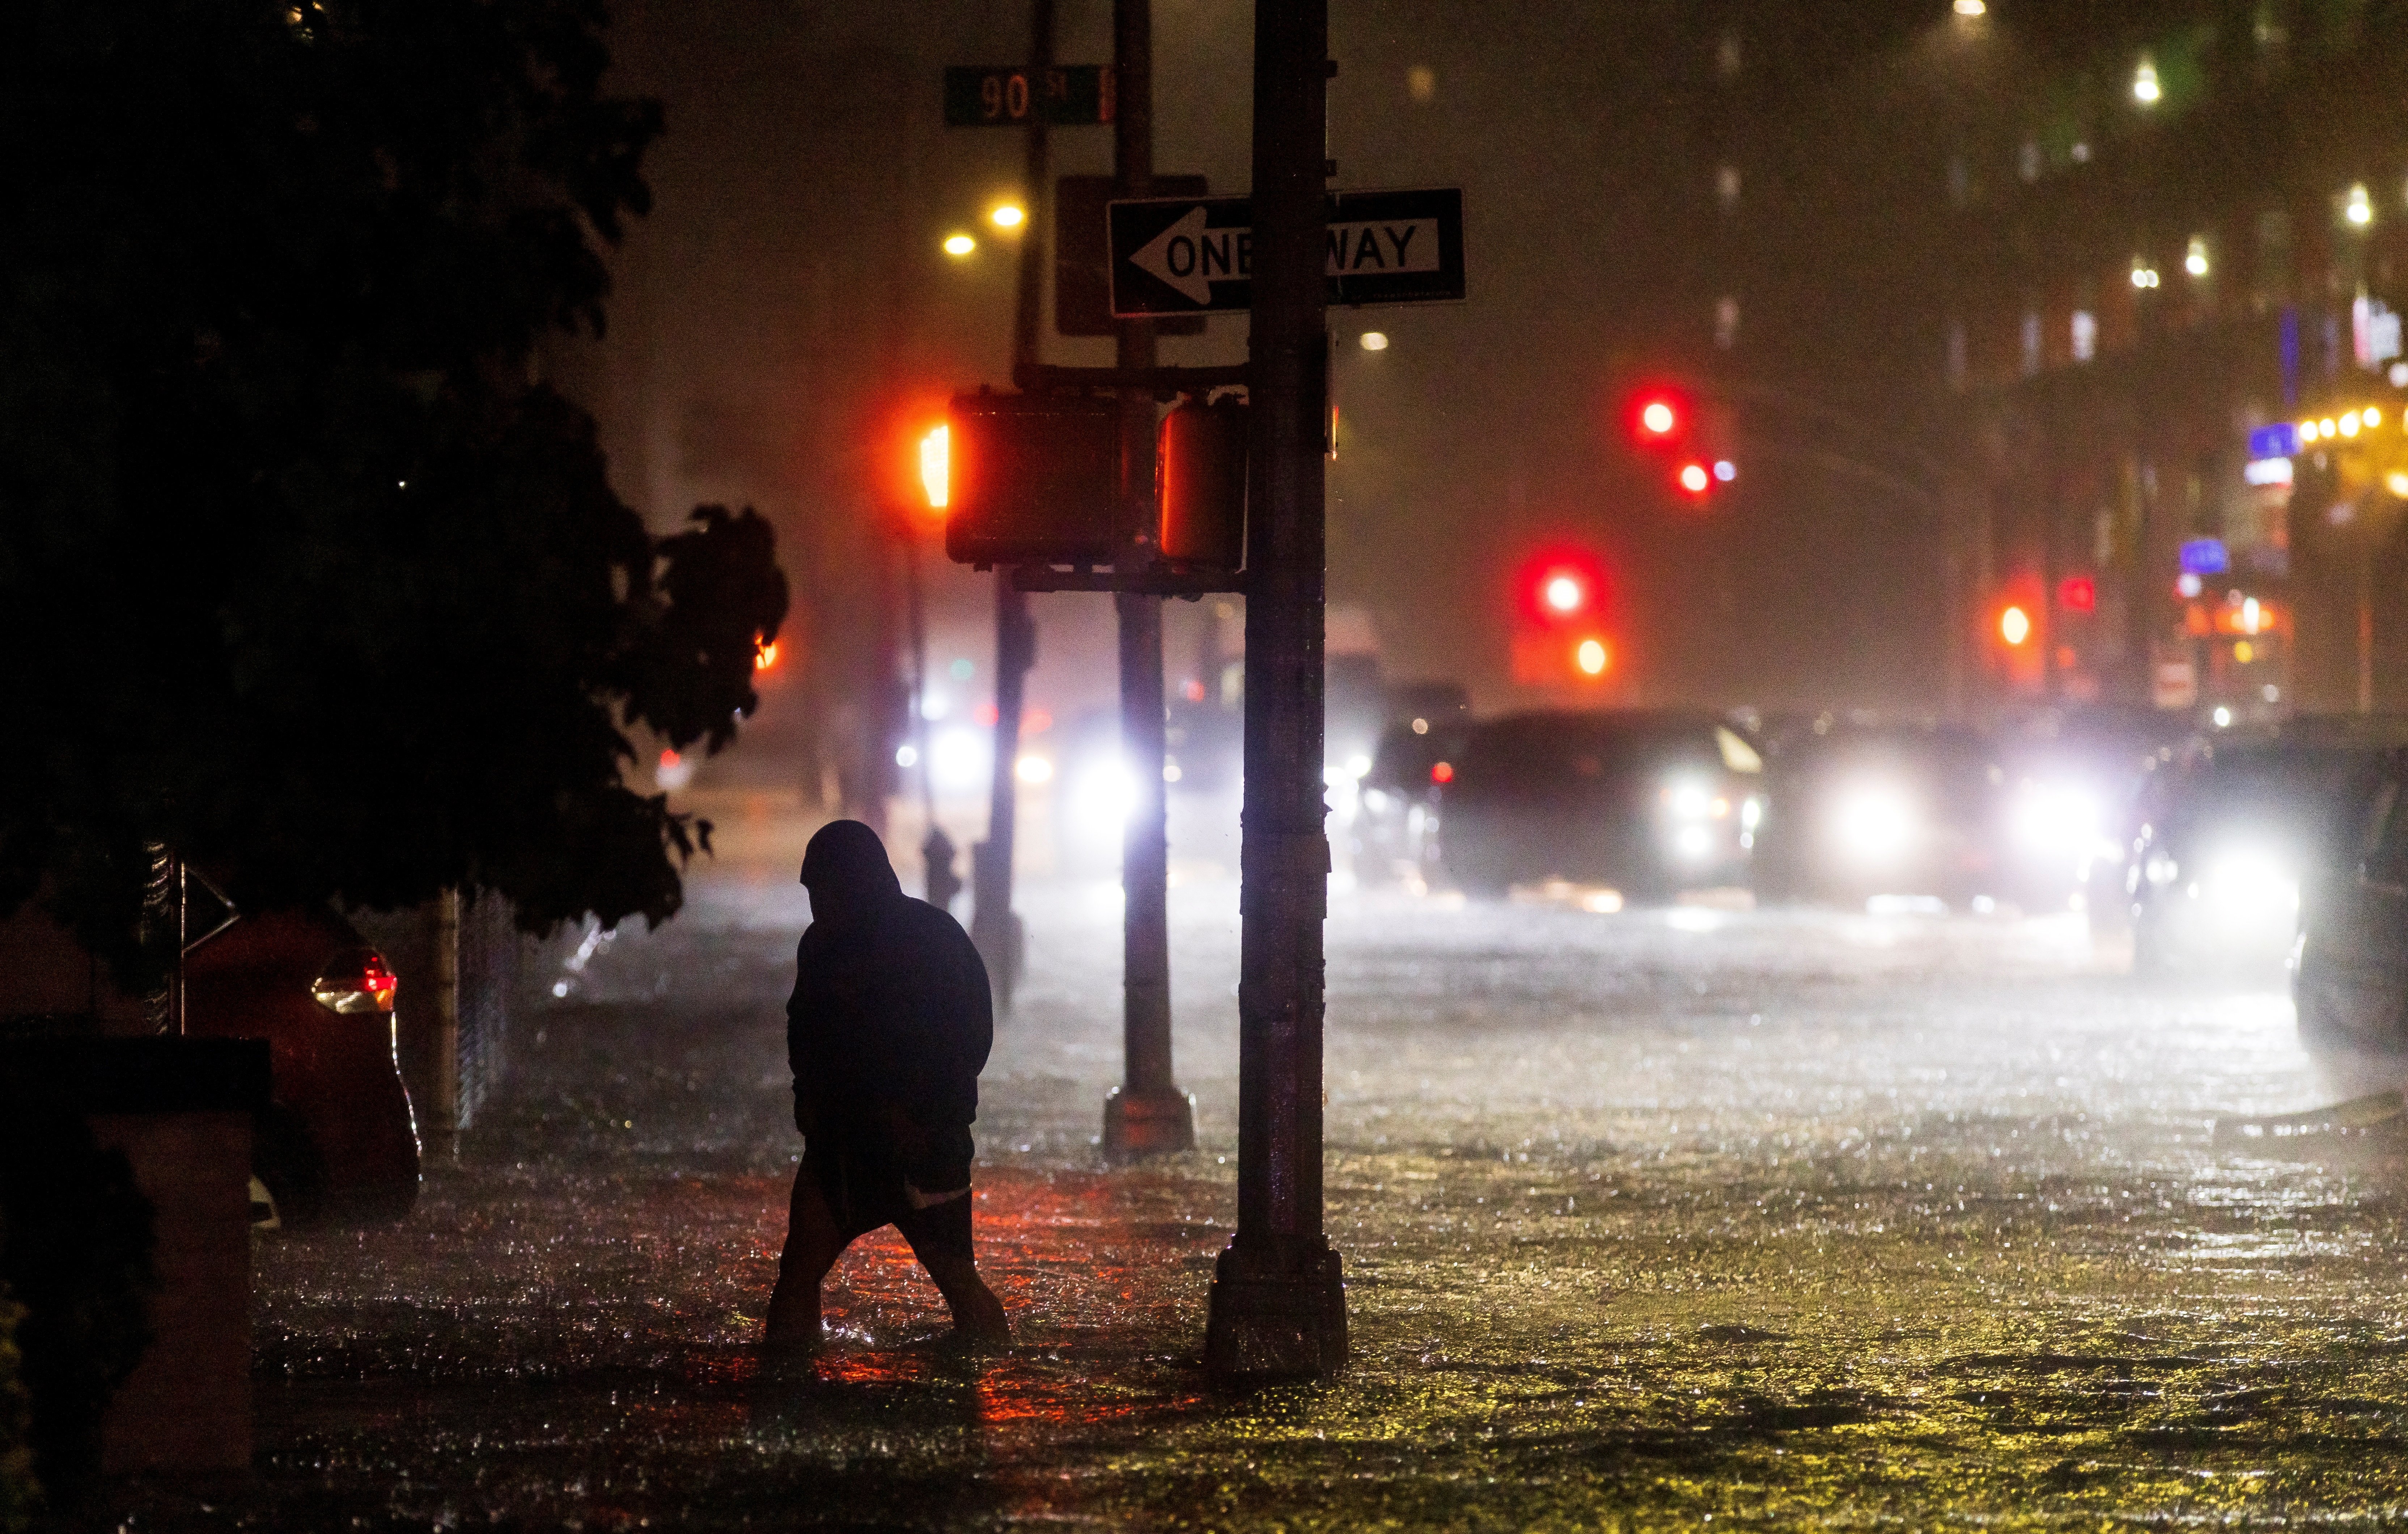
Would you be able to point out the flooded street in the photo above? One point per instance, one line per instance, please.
(1771, 1218)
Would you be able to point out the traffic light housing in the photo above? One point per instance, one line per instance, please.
(1200, 480)
(1030, 478)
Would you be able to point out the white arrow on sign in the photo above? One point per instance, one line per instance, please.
(1189, 257)
(1176, 256)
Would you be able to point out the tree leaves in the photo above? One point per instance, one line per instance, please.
(298, 573)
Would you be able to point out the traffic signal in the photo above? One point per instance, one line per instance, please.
(1028, 478)
(936, 465)
(1563, 588)
(1659, 417)
(1694, 480)
(2078, 594)
(1199, 482)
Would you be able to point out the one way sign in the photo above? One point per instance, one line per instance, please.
(1190, 255)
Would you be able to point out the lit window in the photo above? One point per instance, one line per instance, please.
(2085, 335)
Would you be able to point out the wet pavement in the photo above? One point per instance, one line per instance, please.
(1650, 1219)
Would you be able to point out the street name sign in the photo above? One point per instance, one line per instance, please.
(1012, 95)
(1195, 255)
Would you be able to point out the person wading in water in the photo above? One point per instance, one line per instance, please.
(889, 1025)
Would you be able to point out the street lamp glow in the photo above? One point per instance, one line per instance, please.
(1970, 7)
(1694, 478)
(1009, 216)
(2372, 416)
(2146, 89)
(936, 465)
(2397, 482)
(2196, 262)
(2144, 276)
(2014, 625)
(2349, 425)
(2359, 210)
(1657, 416)
(1374, 340)
(1564, 594)
(959, 245)
(1590, 658)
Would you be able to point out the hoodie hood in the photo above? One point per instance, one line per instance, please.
(845, 867)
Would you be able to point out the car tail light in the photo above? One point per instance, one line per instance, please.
(356, 979)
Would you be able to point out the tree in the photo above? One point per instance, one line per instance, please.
(301, 572)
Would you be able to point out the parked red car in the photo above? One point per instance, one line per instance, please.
(339, 1139)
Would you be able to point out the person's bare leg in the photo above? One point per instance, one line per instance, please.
(812, 1245)
(976, 1310)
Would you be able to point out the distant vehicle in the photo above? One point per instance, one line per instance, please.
(2229, 831)
(1395, 828)
(1854, 812)
(2073, 777)
(337, 1140)
(1647, 803)
(2350, 984)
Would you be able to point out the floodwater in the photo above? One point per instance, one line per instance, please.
(1650, 1219)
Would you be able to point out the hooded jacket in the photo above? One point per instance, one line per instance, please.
(891, 1011)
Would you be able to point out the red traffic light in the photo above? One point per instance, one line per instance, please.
(1659, 417)
(2077, 594)
(1561, 586)
(1563, 593)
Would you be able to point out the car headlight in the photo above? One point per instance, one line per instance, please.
(1692, 801)
(1102, 798)
(2251, 882)
(2051, 819)
(1875, 826)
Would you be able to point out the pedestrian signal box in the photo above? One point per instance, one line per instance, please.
(1033, 480)
(1200, 486)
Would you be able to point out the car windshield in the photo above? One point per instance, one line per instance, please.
(1568, 752)
(2300, 793)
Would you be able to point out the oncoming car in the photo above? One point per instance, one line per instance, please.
(1646, 803)
(2228, 831)
(1858, 811)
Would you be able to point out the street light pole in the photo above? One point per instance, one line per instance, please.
(1279, 1304)
(994, 928)
(1148, 1114)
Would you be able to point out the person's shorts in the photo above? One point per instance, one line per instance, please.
(862, 1196)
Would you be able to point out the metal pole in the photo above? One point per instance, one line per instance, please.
(445, 1110)
(1148, 1114)
(2366, 623)
(993, 926)
(1279, 1304)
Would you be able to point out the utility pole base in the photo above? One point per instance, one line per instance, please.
(1276, 1315)
(1143, 1123)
